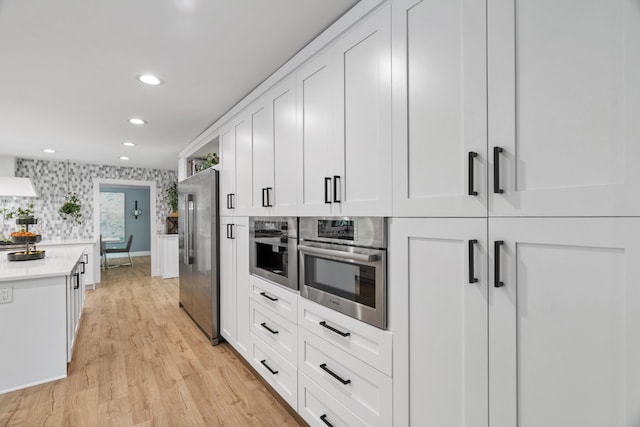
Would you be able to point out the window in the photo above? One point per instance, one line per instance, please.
(112, 216)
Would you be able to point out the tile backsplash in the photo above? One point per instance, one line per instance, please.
(52, 179)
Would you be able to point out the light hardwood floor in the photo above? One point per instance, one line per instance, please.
(140, 361)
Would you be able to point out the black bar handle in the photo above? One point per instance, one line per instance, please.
(336, 179)
(232, 227)
(496, 170)
(83, 264)
(269, 189)
(331, 328)
(472, 274)
(233, 200)
(77, 285)
(264, 363)
(264, 205)
(496, 263)
(228, 234)
(228, 200)
(472, 156)
(323, 418)
(326, 189)
(333, 374)
(264, 325)
(269, 297)
(86, 258)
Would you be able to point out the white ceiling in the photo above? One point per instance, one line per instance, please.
(68, 70)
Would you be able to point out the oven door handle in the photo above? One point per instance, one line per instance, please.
(338, 254)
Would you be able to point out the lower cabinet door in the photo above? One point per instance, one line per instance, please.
(321, 409)
(438, 271)
(276, 331)
(279, 373)
(564, 322)
(362, 389)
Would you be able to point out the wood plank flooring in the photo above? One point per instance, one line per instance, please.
(140, 361)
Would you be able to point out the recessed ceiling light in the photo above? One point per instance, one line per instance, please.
(48, 150)
(128, 144)
(124, 158)
(137, 121)
(150, 79)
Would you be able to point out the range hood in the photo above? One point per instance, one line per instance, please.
(12, 186)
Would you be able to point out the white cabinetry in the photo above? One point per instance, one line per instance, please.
(440, 103)
(274, 151)
(236, 167)
(562, 330)
(227, 170)
(344, 102)
(168, 245)
(346, 359)
(443, 379)
(563, 104)
(75, 302)
(564, 326)
(234, 283)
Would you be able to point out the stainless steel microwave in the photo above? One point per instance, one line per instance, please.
(343, 265)
(273, 250)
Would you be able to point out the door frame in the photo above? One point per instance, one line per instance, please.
(151, 185)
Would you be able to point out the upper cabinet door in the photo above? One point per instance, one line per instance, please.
(227, 170)
(440, 104)
(262, 155)
(317, 106)
(362, 170)
(283, 197)
(244, 165)
(564, 103)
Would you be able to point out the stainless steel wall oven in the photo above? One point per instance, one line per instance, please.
(273, 252)
(343, 265)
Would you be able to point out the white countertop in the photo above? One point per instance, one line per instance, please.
(58, 261)
(66, 242)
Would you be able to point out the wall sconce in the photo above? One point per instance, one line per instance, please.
(135, 211)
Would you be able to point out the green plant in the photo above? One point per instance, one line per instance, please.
(71, 208)
(18, 212)
(210, 160)
(172, 196)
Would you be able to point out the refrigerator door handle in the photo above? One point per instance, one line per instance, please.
(188, 241)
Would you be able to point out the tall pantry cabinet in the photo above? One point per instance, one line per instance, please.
(515, 124)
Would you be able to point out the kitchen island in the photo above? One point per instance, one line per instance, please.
(40, 306)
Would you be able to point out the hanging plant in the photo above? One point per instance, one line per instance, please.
(71, 209)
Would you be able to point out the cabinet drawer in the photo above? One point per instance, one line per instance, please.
(276, 331)
(316, 405)
(282, 301)
(279, 373)
(362, 389)
(367, 343)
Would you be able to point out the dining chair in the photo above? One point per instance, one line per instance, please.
(126, 249)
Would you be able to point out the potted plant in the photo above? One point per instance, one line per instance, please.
(18, 212)
(172, 198)
(71, 209)
(211, 159)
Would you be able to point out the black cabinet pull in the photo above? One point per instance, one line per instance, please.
(264, 325)
(323, 418)
(86, 258)
(269, 205)
(77, 285)
(331, 328)
(264, 363)
(228, 233)
(233, 200)
(496, 170)
(326, 189)
(82, 263)
(333, 374)
(228, 200)
(472, 274)
(336, 179)
(496, 263)
(267, 296)
(264, 204)
(472, 156)
(232, 227)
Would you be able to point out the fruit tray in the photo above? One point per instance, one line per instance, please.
(25, 256)
(26, 239)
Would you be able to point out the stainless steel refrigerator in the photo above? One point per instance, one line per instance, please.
(198, 226)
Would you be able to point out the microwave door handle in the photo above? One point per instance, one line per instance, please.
(338, 254)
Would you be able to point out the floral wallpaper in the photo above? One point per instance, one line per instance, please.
(52, 181)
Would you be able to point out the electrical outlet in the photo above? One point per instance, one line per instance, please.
(6, 295)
